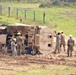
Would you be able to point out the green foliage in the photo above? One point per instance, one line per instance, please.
(44, 5)
(37, 1)
(56, 2)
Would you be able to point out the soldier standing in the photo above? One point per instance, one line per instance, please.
(58, 42)
(70, 44)
(19, 43)
(62, 40)
(13, 47)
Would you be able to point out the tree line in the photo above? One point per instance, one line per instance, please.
(46, 3)
(38, 0)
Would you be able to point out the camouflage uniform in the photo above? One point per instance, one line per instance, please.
(70, 44)
(63, 41)
(19, 45)
(58, 42)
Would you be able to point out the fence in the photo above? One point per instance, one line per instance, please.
(21, 13)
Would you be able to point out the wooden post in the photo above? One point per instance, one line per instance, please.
(25, 13)
(34, 16)
(43, 17)
(17, 13)
(8, 11)
(0, 10)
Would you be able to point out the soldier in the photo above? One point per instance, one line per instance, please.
(62, 40)
(19, 43)
(70, 44)
(58, 42)
(13, 47)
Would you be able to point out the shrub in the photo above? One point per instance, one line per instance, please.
(43, 5)
(56, 2)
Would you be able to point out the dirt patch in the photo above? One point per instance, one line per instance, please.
(17, 63)
(27, 63)
(38, 59)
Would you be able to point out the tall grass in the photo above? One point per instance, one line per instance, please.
(59, 18)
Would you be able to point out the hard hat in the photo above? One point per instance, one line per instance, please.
(70, 35)
(14, 39)
(59, 31)
(19, 33)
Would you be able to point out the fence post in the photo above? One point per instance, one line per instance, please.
(0, 9)
(25, 13)
(34, 16)
(8, 11)
(44, 17)
(17, 13)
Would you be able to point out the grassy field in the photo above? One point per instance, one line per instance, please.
(59, 18)
(49, 70)
(8, 20)
(42, 70)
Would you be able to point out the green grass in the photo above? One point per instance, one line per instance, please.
(49, 70)
(4, 22)
(8, 20)
(63, 18)
(40, 70)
